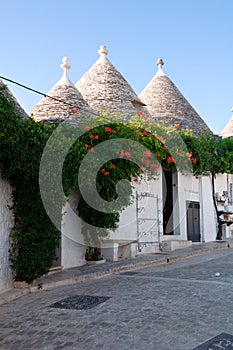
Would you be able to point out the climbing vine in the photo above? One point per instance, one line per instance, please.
(34, 237)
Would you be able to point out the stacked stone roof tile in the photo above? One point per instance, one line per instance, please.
(63, 102)
(228, 130)
(18, 108)
(104, 88)
(164, 100)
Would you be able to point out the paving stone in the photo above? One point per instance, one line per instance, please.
(175, 306)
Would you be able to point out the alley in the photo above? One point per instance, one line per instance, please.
(174, 306)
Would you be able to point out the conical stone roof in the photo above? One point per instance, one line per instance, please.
(165, 101)
(18, 109)
(63, 102)
(104, 88)
(228, 130)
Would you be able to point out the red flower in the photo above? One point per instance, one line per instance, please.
(154, 167)
(141, 169)
(144, 133)
(91, 149)
(170, 160)
(103, 170)
(147, 162)
(109, 130)
(74, 111)
(97, 137)
(86, 145)
(194, 160)
(122, 154)
(140, 113)
(113, 166)
(127, 154)
(164, 147)
(106, 173)
(92, 136)
(87, 127)
(147, 154)
(189, 155)
(158, 155)
(135, 179)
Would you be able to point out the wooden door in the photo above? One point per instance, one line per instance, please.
(193, 221)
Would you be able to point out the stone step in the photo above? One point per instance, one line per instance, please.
(175, 244)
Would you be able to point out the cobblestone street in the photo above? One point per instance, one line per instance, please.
(174, 306)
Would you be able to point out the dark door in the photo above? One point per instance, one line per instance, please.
(167, 203)
(193, 221)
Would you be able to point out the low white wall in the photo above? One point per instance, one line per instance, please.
(72, 243)
(6, 225)
(127, 230)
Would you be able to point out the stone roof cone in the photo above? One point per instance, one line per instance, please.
(66, 102)
(228, 130)
(104, 88)
(165, 101)
(18, 108)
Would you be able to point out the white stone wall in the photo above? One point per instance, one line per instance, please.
(208, 213)
(127, 230)
(72, 242)
(198, 190)
(6, 224)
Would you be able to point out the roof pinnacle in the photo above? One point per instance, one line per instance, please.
(65, 63)
(64, 79)
(103, 51)
(160, 64)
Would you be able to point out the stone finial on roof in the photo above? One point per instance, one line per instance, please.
(160, 64)
(65, 63)
(65, 79)
(103, 51)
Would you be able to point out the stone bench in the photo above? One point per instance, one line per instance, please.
(113, 250)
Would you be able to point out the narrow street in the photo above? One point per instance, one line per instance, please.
(174, 306)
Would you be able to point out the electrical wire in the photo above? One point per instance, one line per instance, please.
(36, 91)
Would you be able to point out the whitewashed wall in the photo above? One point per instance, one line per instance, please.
(6, 224)
(199, 189)
(127, 230)
(72, 242)
(188, 190)
(208, 213)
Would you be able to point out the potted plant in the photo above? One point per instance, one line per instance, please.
(93, 256)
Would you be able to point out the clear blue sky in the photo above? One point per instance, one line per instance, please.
(194, 38)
